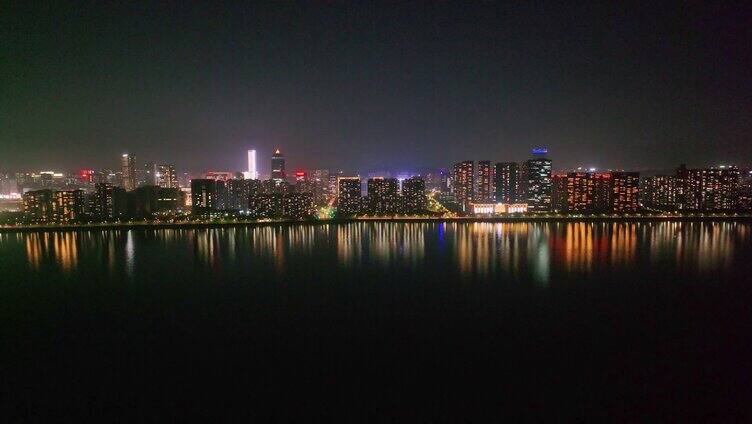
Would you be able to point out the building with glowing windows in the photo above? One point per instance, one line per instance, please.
(414, 199)
(67, 205)
(278, 166)
(659, 193)
(165, 176)
(507, 182)
(128, 172)
(484, 191)
(382, 196)
(37, 206)
(708, 189)
(203, 196)
(538, 185)
(463, 182)
(348, 196)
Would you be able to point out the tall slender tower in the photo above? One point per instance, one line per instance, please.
(128, 169)
(252, 173)
(484, 191)
(278, 166)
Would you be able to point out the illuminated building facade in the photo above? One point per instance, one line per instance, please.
(109, 201)
(203, 196)
(463, 182)
(297, 205)
(252, 172)
(507, 182)
(348, 196)
(414, 199)
(484, 192)
(37, 206)
(265, 205)
(497, 208)
(625, 192)
(659, 192)
(67, 205)
(538, 184)
(559, 192)
(165, 176)
(239, 193)
(128, 172)
(278, 166)
(383, 196)
(708, 189)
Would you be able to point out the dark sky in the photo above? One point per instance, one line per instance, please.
(372, 86)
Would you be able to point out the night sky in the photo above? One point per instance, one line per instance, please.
(368, 86)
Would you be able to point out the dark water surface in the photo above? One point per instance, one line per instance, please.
(618, 321)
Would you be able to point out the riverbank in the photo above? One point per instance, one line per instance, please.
(287, 222)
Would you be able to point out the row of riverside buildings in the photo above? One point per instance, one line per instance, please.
(470, 188)
(275, 198)
(106, 203)
(532, 186)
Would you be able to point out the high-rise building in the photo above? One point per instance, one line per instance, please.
(320, 186)
(252, 173)
(203, 196)
(278, 166)
(109, 201)
(239, 193)
(348, 195)
(67, 205)
(625, 192)
(265, 205)
(507, 182)
(559, 192)
(414, 199)
(383, 196)
(659, 192)
(484, 192)
(297, 205)
(165, 176)
(538, 185)
(37, 206)
(708, 189)
(128, 172)
(463, 182)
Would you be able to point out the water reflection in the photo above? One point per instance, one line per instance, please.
(540, 252)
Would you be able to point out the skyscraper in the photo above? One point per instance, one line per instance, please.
(128, 170)
(559, 192)
(348, 195)
(507, 182)
(165, 176)
(463, 182)
(37, 206)
(659, 192)
(252, 173)
(414, 195)
(67, 205)
(383, 196)
(109, 201)
(538, 187)
(708, 189)
(484, 192)
(278, 166)
(625, 192)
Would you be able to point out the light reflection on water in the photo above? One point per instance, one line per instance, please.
(472, 250)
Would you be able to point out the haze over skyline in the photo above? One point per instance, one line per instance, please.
(368, 87)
